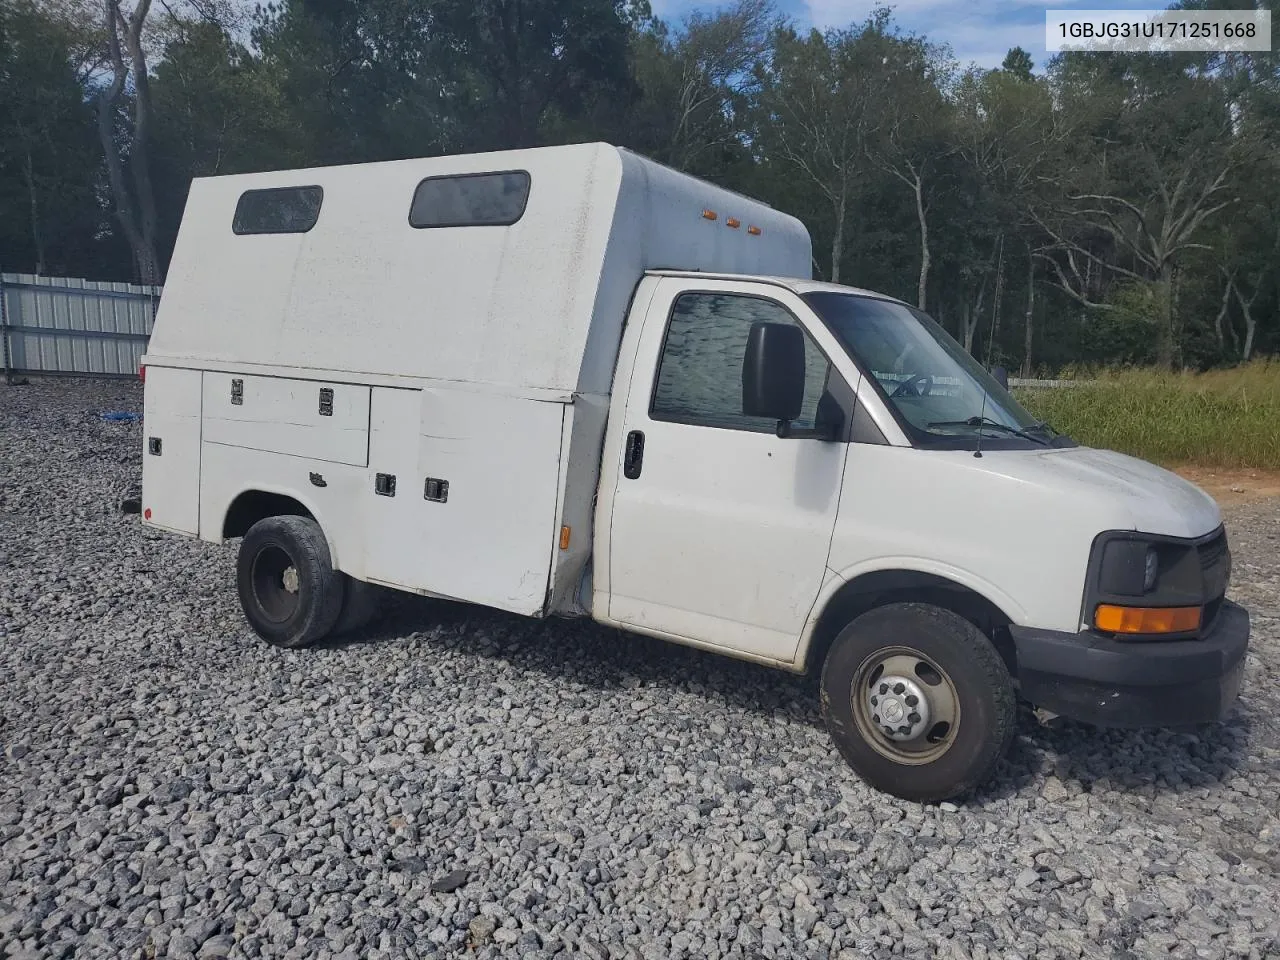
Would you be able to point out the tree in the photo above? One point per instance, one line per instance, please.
(359, 81)
(1247, 250)
(380, 79)
(1018, 64)
(1109, 208)
(1144, 186)
(135, 203)
(695, 82)
(47, 161)
(817, 113)
(910, 137)
(1010, 138)
(523, 62)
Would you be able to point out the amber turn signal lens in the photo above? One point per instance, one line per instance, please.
(1115, 619)
(565, 533)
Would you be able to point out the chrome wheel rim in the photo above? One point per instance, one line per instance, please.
(905, 705)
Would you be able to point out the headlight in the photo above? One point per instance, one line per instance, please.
(1145, 585)
(1128, 568)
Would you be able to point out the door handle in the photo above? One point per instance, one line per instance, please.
(633, 458)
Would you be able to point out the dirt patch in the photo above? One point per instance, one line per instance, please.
(1233, 487)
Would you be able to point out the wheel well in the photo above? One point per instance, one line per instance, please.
(883, 587)
(254, 505)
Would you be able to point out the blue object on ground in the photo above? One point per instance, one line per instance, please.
(117, 415)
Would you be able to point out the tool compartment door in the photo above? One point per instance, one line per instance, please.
(171, 449)
(491, 538)
(301, 418)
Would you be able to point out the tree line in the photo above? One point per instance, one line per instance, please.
(1114, 208)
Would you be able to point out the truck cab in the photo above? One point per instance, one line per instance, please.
(810, 475)
(614, 401)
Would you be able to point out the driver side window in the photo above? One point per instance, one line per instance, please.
(700, 370)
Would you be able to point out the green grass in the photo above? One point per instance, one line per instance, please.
(1223, 418)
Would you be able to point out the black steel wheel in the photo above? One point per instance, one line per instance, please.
(288, 588)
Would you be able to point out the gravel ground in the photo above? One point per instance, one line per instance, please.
(464, 780)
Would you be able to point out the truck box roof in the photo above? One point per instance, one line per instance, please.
(535, 304)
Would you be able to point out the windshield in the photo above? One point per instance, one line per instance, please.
(939, 392)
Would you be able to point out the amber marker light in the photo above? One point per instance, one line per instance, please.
(564, 537)
(708, 214)
(754, 231)
(1147, 620)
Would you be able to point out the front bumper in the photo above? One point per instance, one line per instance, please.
(1089, 677)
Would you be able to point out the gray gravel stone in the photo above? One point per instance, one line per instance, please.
(450, 882)
(1027, 878)
(169, 779)
(217, 947)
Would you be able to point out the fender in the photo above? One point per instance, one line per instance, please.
(836, 579)
(291, 494)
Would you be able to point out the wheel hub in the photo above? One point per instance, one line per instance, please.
(905, 706)
(290, 579)
(898, 707)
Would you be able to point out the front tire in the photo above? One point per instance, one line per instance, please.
(918, 701)
(290, 593)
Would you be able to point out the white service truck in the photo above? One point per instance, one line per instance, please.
(573, 382)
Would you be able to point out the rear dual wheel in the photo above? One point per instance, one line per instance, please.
(918, 701)
(291, 594)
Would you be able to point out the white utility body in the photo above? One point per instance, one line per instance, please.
(571, 381)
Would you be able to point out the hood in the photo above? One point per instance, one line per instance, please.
(1156, 500)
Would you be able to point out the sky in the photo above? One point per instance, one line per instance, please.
(979, 32)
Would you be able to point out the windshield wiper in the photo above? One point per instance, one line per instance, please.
(995, 425)
(1043, 427)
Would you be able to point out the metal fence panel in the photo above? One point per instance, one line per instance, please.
(57, 325)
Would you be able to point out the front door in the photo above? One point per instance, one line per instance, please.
(720, 530)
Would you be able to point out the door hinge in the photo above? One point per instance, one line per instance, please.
(153, 446)
(326, 401)
(237, 393)
(384, 485)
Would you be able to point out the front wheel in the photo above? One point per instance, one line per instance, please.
(288, 588)
(918, 701)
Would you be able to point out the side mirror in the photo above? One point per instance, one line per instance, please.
(1001, 375)
(773, 371)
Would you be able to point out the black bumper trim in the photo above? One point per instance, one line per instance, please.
(1136, 683)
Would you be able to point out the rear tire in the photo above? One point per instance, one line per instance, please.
(918, 701)
(288, 588)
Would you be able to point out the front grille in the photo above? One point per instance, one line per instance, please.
(1212, 551)
(1215, 567)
